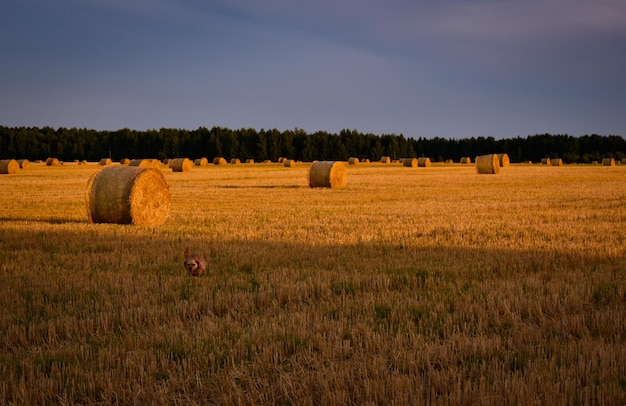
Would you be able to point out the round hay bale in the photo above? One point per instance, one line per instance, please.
(281, 160)
(105, 162)
(624, 161)
(504, 160)
(181, 164)
(385, 159)
(125, 161)
(449, 161)
(142, 163)
(488, 164)
(410, 162)
(366, 161)
(608, 162)
(201, 162)
(24, 163)
(423, 162)
(545, 161)
(556, 162)
(353, 161)
(9, 166)
(166, 161)
(267, 161)
(289, 163)
(219, 161)
(331, 174)
(249, 161)
(155, 163)
(235, 161)
(128, 195)
(466, 160)
(53, 162)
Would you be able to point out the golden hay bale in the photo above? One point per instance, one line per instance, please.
(545, 161)
(181, 164)
(330, 174)
(449, 161)
(466, 160)
(267, 161)
(125, 161)
(504, 160)
(9, 166)
(411, 162)
(353, 161)
(385, 159)
(201, 162)
(488, 164)
(249, 161)
(289, 163)
(24, 163)
(366, 161)
(53, 162)
(281, 160)
(556, 162)
(624, 161)
(105, 161)
(142, 163)
(235, 161)
(155, 163)
(608, 162)
(219, 161)
(423, 162)
(166, 161)
(128, 195)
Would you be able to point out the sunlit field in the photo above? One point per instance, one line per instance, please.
(409, 286)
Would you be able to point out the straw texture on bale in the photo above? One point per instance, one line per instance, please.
(9, 166)
(385, 159)
(201, 162)
(545, 161)
(125, 161)
(608, 162)
(488, 164)
(410, 162)
(128, 195)
(504, 160)
(105, 161)
(219, 161)
(181, 164)
(330, 174)
(556, 162)
(53, 162)
(423, 162)
(155, 163)
(24, 163)
(466, 160)
(142, 163)
(235, 161)
(289, 163)
(353, 161)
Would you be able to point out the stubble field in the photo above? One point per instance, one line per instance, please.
(410, 286)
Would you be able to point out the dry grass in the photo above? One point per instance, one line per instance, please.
(378, 293)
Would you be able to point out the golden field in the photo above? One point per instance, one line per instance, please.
(409, 286)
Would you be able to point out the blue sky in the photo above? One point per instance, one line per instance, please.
(448, 68)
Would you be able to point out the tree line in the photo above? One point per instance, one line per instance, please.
(70, 144)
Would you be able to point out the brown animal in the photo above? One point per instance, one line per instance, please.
(194, 264)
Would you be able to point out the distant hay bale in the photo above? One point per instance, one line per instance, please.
(466, 160)
(449, 161)
(545, 161)
(385, 159)
(249, 161)
(9, 166)
(235, 161)
(281, 160)
(423, 162)
(125, 161)
(503, 159)
(24, 163)
(181, 164)
(624, 161)
(128, 195)
(608, 162)
(366, 161)
(488, 164)
(105, 162)
(219, 161)
(53, 162)
(330, 174)
(201, 162)
(410, 162)
(353, 161)
(142, 163)
(166, 161)
(289, 163)
(267, 161)
(556, 162)
(155, 163)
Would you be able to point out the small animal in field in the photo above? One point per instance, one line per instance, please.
(195, 264)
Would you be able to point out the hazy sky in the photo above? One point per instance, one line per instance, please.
(448, 68)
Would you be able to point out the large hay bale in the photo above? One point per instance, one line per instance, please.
(53, 162)
(201, 162)
(556, 162)
(128, 195)
(466, 160)
(608, 162)
(410, 162)
(105, 162)
(219, 161)
(331, 174)
(289, 163)
(385, 159)
(181, 164)
(235, 161)
(423, 162)
(353, 161)
(24, 163)
(9, 166)
(545, 161)
(488, 164)
(142, 163)
(503, 159)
